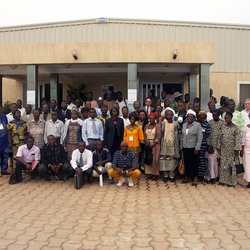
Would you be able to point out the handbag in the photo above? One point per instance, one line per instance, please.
(12, 179)
(239, 168)
(181, 167)
(148, 155)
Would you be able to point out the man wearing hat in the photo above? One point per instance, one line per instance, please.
(174, 104)
(124, 166)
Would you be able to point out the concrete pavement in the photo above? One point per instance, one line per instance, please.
(150, 215)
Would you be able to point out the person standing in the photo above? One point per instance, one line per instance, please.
(152, 135)
(98, 108)
(162, 99)
(122, 102)
(92, 130)
(27, 116)
(108, 101)
(4, 155)
(246, 111)
(133, 135)
(104, 115)
(54, 127)
(211, 107)
(169, 152)
(72, 134)
(206, 131)
(64, 113)
(36, 129)
(245, 152)
(137, 108)
(45, 113)
(153, 98)
(229, 145)
(114, 131)
(125, 116)
(70, 104)
(148, 108)
(20, 106)
(90, 99)
(190, 145)
(17, 130)
(10, 116)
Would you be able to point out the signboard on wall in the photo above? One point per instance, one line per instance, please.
(31, 97)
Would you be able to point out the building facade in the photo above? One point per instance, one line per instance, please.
(132, 55)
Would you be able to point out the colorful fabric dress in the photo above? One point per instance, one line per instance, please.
(202, 162)
(73, 137)
(169, 153)
(215, 133)
(237, 119)
(3, 144)
(133, 137)
(153, 135)
(230, 140)
(18, 135)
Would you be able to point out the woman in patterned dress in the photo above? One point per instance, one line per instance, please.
(17, 134)
(229, 145)
(202, 116)
(133, 135)
(152, 135)
(72, 133)
(169, 153)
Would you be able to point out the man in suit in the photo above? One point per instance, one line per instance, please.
(148, 108)
(64, 113)
(113, 131)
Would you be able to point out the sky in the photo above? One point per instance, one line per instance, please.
(16, 12)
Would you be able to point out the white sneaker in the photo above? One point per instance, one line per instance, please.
(130, 182)
(121, 181)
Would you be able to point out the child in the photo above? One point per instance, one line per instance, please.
(213, 162)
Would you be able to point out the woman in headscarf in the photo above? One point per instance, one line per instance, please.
(190, 145)
(72, 133)
(152, 135)
(206, 130)
(169, 153)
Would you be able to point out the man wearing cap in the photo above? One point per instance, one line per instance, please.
(124, 166)
(174, 104)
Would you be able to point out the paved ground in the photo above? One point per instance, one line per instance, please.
(151, 215)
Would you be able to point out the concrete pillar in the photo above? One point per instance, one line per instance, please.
(1, 90)
(204, 85)
(54, 86)
(133, 84)
(32, 85)
(192, 87)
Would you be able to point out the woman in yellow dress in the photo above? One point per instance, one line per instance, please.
(133, 135)
(17, 130)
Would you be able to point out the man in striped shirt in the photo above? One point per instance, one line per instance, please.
(124, 166)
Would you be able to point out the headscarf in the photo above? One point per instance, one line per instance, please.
(191, 112)
(153, 114)
(170, 109)
(202, 113)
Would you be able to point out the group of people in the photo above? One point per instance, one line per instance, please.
(96, 137)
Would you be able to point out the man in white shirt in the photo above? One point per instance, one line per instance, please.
(70, 105)
(20, 106)
(10, 116)
(121, 102)
(82, 161)
(54, 127)
(92, 130)
(26, 156)
(148, 108)
(246, 111)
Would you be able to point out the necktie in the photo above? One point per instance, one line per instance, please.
(81, 161)
(94, 127)
(147, 111)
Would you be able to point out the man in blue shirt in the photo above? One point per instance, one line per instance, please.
(124, 165)
(101, 161)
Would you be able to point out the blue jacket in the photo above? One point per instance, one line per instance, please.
(105, 155)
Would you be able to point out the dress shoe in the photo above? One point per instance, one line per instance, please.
(150, 177)
(6, 173)
(194, 185)
(165, 179)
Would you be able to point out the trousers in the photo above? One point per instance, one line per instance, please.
(133, 174)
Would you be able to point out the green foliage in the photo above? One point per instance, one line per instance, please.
(6, 107)
(79, 91)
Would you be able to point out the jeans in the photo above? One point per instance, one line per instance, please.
(46, 172)
(20, 167)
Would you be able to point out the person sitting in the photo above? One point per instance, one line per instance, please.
(101, 161)
(124, 165)
(27, 157)
(82, 162)
(53, 160)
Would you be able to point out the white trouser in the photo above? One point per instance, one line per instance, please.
(105, 169)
